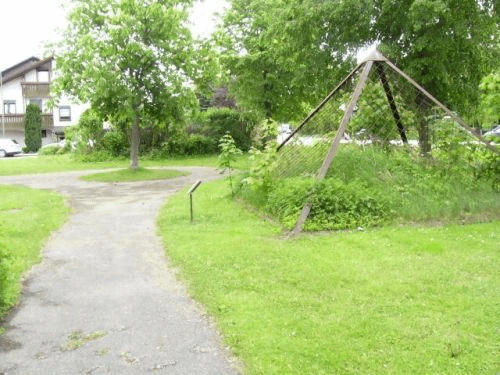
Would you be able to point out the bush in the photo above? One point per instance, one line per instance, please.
(9, 288)
(286, 200)
(340, 206)
(335, 205)
(95, 156)
(489, 170)
(50, 150)
(369, 187)
(90, 128)
(116, 143)
(183, 144)
(219, 121)
(199, 145)
(33, 128)
(227, 156)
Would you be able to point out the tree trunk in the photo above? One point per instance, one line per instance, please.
(134, 144)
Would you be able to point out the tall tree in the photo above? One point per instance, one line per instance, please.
(289, 52)
(131, 59)
(446, 45)
(279, 54)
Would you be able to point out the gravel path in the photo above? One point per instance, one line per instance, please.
(105, 300)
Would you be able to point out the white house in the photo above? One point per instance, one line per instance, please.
(29, 82)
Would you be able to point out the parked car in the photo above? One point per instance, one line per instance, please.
(9, 147)
(495, 131)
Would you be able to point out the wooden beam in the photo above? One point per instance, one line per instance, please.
(392, 101)
(316, 110)
(336, 141)
(461, 122)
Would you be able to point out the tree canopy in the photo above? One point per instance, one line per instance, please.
(285, 54)
(447, 45)
(280, 55)
(131, 59)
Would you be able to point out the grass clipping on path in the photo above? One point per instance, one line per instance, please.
(389, 301)
(131, 175)
(27, 218)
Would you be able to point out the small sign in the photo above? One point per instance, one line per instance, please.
(190, 192)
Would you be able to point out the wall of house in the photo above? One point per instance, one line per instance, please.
(31, 76)
(34, 76)
(76, 112)
(12, 91)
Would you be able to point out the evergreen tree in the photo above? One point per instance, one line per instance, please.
(33, 128)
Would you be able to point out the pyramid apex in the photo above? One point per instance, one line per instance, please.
(374, 55)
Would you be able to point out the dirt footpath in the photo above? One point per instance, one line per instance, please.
(105, 300)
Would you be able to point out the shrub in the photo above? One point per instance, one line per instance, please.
(219, 121)
(90, 128)
(489, 170)
(346, 206)
(50, 150)
(227, 156)
(285, 200)
(33, 128)
(183, 144)
(262, 172)
(368, 187)
(265, 133)
(9, 288)
(95, 156)
(335, 205)
(197, 144)
(116, 143)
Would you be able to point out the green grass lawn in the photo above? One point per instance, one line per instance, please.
(130, 175)
(51, 163)
(399, 300)
(27, 217)
(61, 163)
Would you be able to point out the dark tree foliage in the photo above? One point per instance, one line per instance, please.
(33, 128)
(239, 125)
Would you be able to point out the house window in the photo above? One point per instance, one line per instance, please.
(65, 113)
(38, 102)
(9, 106)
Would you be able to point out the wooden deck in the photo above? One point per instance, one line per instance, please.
(36, 89)
(16, 122)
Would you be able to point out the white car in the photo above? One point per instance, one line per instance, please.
(494, 131)
(9, 147)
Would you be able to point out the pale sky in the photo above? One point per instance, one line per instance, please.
(26, 25)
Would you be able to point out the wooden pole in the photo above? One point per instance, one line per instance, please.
(320, 105)
(334, 147)
(392, 102)
(461, 122)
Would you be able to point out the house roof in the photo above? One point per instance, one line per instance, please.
(25, 66)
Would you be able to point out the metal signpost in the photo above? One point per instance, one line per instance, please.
(190, 192)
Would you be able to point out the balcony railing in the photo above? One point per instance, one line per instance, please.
(16, 122)
(36, 89)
